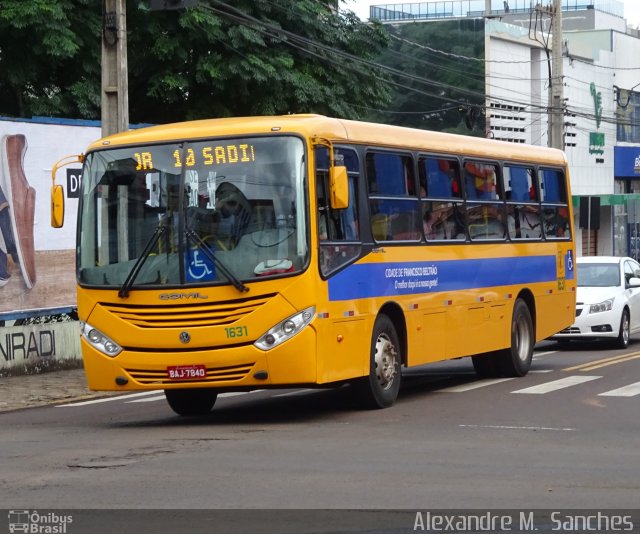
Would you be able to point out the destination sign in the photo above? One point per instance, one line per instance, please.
(210, 155)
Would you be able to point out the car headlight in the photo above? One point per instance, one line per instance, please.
(601, 306)
(285, 329)
(99, 341)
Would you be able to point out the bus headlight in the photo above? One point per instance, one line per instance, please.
(286, 329)
(99, 341)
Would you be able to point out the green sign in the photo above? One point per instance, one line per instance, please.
(596, 143)
(597, 103)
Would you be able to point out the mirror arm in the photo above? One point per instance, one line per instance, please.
(57, 193)
(63, 162)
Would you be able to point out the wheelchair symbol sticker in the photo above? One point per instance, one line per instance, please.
(199, 267)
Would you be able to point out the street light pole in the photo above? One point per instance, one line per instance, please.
(115, 97)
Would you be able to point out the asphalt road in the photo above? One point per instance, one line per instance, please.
(565, 436)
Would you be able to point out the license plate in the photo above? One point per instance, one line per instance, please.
(186, 372)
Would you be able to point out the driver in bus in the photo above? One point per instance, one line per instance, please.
(233, 213)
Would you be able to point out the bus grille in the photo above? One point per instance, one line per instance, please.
(184, 315)
(214, 375)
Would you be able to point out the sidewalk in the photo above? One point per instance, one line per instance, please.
(45, 388)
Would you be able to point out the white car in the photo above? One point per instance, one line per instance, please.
(607, 300)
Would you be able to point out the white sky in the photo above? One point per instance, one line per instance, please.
(361, 8)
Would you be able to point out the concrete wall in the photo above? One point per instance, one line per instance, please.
(40, 347)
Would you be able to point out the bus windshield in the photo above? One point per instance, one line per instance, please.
(207, 212)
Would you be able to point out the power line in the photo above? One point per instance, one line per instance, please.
(297, 41)
(459, 56)
(305, 45)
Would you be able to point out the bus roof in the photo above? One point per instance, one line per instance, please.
(336, 130)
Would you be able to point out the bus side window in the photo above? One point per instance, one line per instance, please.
(337, 225)
(555, 208)
(338, 230)
(388, 174)
(393, 205)
(523, 208)
(440, 179)
(481, 180)
(486, 211)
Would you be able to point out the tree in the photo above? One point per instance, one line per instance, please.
(49, 58)
(242, 57)
(440, 85)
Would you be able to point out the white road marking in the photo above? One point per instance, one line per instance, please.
(626, 391)
(474, 385)
(230, 394)
(547, 353)
(108, 399)
(555, 385)
(148, 399)
(503, 427)
(292, 393)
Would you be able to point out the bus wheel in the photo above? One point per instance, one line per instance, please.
(380, 389)
(516, 360)
(191, 401)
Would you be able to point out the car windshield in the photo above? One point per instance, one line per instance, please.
(598, 274)
(217, 211)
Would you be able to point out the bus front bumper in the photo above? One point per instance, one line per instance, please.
(243, 367)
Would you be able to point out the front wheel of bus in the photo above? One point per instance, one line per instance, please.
(516, 360)
(380, 389)
(191, 401)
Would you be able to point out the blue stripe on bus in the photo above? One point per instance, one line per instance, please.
(390, 279)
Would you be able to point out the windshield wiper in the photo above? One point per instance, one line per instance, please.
(124, 290)
(209, 253)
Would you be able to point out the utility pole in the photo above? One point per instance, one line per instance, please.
(556, 90)
(115, 88)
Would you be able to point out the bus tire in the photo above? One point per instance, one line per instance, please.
(381, 387)
(516, 360)
(198, 401)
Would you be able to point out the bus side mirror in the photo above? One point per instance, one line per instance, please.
(57, 206)
(57, 193)
(338, 187)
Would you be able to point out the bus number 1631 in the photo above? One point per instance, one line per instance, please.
(236, 331)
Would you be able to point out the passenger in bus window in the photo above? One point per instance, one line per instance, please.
(556, 221)
(481, 180)
(436, 221)
(523, 221)
(429, 222)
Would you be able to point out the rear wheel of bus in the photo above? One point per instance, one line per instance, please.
(191, 401)
(380, 389)
(515, 360)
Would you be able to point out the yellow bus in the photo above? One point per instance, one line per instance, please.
(297, 251)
